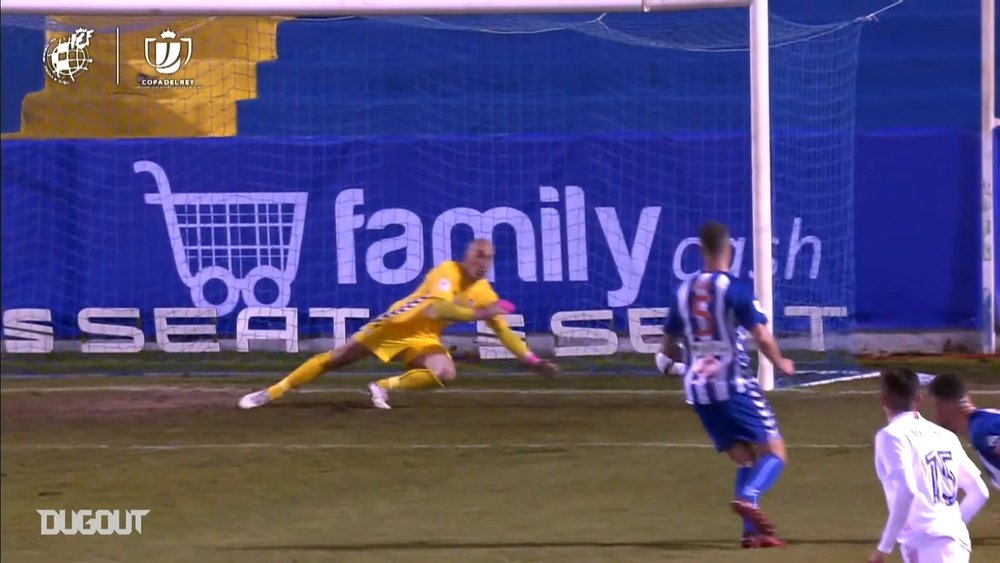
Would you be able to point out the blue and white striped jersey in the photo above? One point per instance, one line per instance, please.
(711, 313)
(984, 431)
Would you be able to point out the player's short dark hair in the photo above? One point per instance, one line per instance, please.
(714, 237)
(947, 387)
(901, 388)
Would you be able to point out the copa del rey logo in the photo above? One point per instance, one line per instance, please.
(168, 54)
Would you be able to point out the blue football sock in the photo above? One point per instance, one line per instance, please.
(763, 476)
(742, 476)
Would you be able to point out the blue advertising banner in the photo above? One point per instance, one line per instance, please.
(317, 224)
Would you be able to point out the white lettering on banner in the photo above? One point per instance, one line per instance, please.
(631, 264)
(552, 266)
(411, 239)
(694, 245)
(637, 330)
(489, 345)
(599, 341)
(688, 249)
(561, 237)
(576, 233)
(483, 224)
(682, 249)
(347, 222)
(117, 344)
(604, 341)
(164, 330)
(288, 333)
(739, 246)
(816, 316)
(31, 338)
(796, 245)
(89, 522)
(339, 317)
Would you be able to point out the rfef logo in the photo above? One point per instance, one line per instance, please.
(66, 58)
(90, 522)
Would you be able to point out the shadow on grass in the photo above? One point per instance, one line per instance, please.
(335, 406)
(668, 545)
(678, 545)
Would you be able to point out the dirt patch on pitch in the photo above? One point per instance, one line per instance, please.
(32, 405)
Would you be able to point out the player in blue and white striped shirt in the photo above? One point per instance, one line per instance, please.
(711, 314)
(954, 410)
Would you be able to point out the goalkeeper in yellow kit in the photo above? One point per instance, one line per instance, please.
(410, 331)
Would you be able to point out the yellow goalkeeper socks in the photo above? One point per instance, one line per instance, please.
(305, 373)
(414, 379)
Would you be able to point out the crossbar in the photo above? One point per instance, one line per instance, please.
(348, 7)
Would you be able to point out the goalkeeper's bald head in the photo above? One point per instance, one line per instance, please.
(478, 258)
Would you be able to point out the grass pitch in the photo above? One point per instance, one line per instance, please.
(496, 469)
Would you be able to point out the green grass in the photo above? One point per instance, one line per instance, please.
(496, 477)
(234, 363)
(227, 363)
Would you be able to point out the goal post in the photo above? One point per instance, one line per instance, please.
(760, 153)
(989, 123)
(820, 135)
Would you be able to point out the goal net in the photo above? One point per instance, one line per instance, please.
(213, 194)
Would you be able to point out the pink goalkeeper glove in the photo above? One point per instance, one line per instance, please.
(506, 306)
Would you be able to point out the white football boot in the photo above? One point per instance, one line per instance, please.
(380, 397)
(255, 399)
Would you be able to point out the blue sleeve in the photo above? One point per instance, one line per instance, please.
(985, 435)
(675, 324)
(746, 306)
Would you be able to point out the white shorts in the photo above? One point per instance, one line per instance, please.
(937, 550)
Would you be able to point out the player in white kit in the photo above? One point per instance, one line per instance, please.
(922, 466)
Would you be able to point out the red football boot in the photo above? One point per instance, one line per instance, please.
(754, 514)
(751, 541)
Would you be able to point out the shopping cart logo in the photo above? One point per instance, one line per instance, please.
(238, 240)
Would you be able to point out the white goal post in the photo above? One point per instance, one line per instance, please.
(759, 69)
(989, 122)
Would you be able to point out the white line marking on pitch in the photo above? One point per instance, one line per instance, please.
(346, 446)
(461, 391)
(331, 390)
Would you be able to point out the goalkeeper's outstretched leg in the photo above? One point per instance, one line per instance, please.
(428, 370)
(340, 357)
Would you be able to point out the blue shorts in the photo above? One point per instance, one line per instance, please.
(745, 417)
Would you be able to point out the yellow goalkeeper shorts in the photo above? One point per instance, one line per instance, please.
(403, 341)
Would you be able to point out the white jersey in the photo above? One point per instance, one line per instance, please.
(929, 461)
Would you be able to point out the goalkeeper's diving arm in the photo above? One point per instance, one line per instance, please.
(512, 341)
(448, 311)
